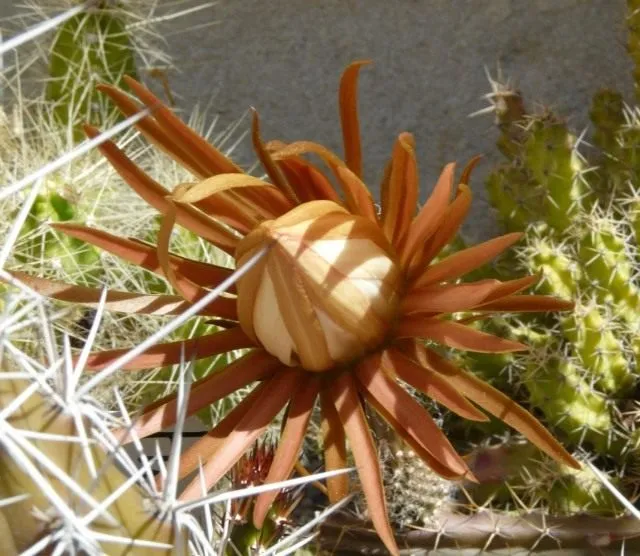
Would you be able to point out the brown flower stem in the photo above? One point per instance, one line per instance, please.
(490, 531)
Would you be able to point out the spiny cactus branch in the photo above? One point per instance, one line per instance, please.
(487, 530)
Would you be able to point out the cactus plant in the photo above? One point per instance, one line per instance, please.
(92, 47)
(579, 208)
(71, 485)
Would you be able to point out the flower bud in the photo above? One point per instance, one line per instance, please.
(326, 291)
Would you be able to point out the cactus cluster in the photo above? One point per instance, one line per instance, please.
(63, 478)
(579, 206)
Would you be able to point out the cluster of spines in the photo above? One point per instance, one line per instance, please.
(581, 218)
(90, 48)
(414, 492)
(71, 462)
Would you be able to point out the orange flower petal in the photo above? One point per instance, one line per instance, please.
(274, 172)
(330, 159)
(207, 156)
(511, 287)
(154, 194)
(298, 415)
(277, 391)
(400, 193)
(308, 182)
(348, 102)
(460, 263)
(171, 353)
(430, 216)
(145, 255)
(230, 204)
(448, 298)
(357, 194)
(242, 201)
(414, 421)
(527, 303)
(335, 449)
(192, 193)
(434, 464)
(153, 132)
(501, 406)
(456, 335)
(452, 221)
(431, 384)
(123, 302)
(469, 168)
(344, 395)
(256, 365)
(192, 292)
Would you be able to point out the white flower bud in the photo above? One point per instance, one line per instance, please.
(327, 290)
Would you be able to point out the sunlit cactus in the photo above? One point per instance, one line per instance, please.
(90, 48)
(579, 209)
(59, 476)
(38, 241)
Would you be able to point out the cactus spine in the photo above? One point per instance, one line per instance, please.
(91, 48)
(70, 480)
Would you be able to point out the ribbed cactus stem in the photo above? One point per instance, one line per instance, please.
(607, 266)
(600, 351)
(560, 273)
(90, 48)
(554, 163)
(132, 514)
(558, 387)
(514, 195)
(580, 491)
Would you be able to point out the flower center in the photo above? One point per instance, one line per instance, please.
(326, 291)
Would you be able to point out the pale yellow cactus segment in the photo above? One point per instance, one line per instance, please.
(130, 516)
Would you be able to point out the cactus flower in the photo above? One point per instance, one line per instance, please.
(327, 291)
(345, 307)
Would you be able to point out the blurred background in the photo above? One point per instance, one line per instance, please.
(428, 76)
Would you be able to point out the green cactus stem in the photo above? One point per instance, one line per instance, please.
(38, 242)
(88, 49)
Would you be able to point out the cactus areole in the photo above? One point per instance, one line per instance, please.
(345, 305)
